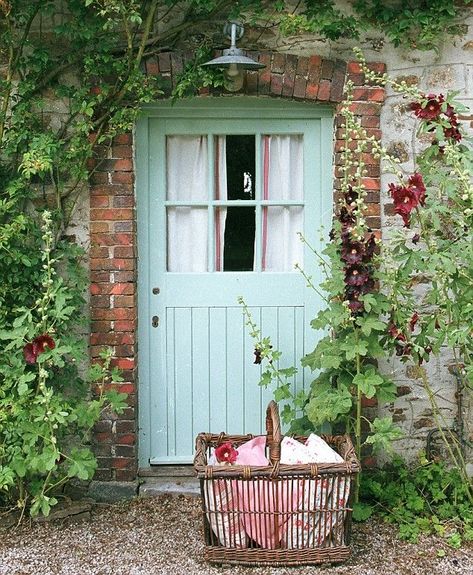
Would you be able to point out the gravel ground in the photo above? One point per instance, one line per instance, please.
(163, 536)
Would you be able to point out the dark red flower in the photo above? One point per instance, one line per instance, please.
(226, 453)
(405, 200)
(44, 341)
(352, 253)
(394, 332)
(414, 319)
(352, 294)
(30, 353)
(429, 110)
(368, 286)
(370, 247)
(452, 133)
(257, 353)
(356, 275)
(416, 185)
(346, 217)
(450, 112)
(37, 346)
(356, 306)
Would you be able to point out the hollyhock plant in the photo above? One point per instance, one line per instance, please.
(226, 453)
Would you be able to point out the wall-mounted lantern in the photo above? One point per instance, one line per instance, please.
(233, 61)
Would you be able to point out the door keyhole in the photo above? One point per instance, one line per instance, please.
(155, 321)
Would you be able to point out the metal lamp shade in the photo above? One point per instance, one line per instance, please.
(234, 56)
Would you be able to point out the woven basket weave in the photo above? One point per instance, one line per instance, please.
(276, 514)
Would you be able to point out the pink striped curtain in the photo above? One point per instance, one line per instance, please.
(220, 194)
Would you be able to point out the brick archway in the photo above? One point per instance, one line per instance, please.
(113, 294)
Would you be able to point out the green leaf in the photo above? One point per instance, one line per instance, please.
(328, 404)
(353, 347)
(384, 432)
(362, 511)
(282, 392)
(369, 324)
(82, 464)
(368, 381)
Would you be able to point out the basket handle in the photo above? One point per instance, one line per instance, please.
(273, 428)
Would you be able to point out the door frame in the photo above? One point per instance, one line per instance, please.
(202, 108)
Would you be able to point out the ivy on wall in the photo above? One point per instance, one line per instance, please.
(412, 24)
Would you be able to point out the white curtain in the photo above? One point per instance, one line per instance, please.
(187, 170)
(282, 180)
(220, 194)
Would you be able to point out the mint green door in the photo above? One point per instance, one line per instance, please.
(223, 189)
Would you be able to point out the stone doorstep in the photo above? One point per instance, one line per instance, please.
(167, 471)
(154, 486)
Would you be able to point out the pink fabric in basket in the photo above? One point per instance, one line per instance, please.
(258, 501)
(253, 452)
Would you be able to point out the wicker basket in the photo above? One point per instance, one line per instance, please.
(277, 514)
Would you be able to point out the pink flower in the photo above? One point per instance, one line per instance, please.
(37, 346)
(226, 453)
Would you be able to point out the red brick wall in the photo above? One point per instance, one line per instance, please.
(113, 223)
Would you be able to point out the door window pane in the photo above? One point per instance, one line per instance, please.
(281, 244)
(187, 242)
(235, 238)
(282, 181)
(283, 167)
(186, 168)
(235, 167)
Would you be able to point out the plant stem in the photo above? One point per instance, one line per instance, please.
(358, 427)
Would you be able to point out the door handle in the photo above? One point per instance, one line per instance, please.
(155, 321)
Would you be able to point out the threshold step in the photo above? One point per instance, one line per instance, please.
(154, 486)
